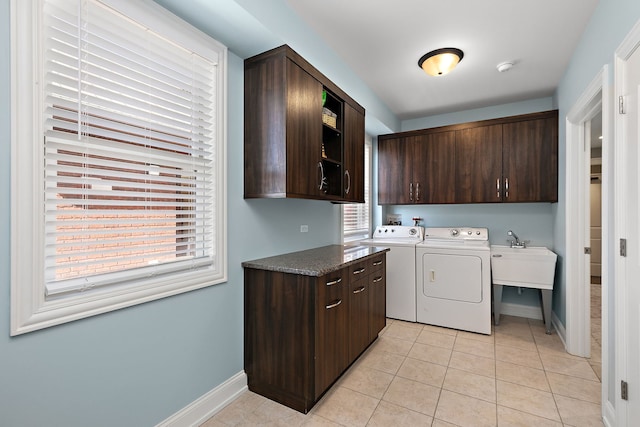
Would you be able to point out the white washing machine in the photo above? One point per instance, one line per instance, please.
(453, 279)
(401, 267)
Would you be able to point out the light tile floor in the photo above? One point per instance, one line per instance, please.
(421, 375)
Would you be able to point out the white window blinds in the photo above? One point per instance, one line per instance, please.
(129, 150)
(356, 216)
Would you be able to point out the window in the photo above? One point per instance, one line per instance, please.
(356, 217)
(118, 139)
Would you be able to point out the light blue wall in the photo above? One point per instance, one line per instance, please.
(610, 23)
(137, 366)
(477, 114)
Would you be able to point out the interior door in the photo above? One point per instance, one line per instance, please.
(630, 341)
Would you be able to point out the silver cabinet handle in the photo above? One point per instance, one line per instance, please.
(334, 282)
(377, 279)
(333, 304)
(347, 175)
(417, 192)
(498, 188)
(376, 263)
(360, 270)
(323, 179)
(360, 289)
(506, 187)
(411, 191)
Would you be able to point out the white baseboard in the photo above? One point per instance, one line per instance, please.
(207, 405)
(520, 310)
(562, 332)
(609, 415)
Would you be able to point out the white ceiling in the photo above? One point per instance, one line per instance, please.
(383, 40)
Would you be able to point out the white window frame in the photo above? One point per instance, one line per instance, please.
(355, 236)
(30, 310)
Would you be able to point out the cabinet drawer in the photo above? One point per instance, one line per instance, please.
(332, 289)
(376, 264)
(376, 278)
(359, 270)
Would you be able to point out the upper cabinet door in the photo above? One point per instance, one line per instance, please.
(395, 158)
(353, 179)
(434, 168)
(304, 132)
(479, 164)
(530, 160)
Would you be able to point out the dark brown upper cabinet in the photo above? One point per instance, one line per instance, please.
(417, 169)
(512, 159)
(530, 160)
(303, 136)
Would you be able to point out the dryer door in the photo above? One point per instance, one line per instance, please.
(455, 277)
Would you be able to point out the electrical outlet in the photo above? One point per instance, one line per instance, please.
(304, 228)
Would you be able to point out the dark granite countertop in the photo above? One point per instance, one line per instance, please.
(315, 262)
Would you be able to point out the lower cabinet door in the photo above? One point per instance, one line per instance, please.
(377, 303)
(358, 317)
(332, 334)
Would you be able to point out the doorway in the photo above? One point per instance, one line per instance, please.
(582, 121)
(594, 213)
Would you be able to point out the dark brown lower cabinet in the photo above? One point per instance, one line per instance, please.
(302, 332)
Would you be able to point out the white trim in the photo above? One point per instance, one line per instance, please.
(622, 53)
(559, 327)
(608, 414)
(597, 96)
(578, 322)
(29, 309)
(209, 404)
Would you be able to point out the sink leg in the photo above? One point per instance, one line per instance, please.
(497, 302)
(546, 308)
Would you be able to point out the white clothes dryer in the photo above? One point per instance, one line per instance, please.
(401, 267)
(453, 279)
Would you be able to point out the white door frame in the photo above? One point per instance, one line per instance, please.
(596, 98)
(622, 54)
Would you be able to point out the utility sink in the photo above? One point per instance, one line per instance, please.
(530, 267)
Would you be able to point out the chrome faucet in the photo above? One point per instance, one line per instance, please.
(515, 243)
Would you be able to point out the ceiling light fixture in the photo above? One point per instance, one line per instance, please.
(440, 61)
